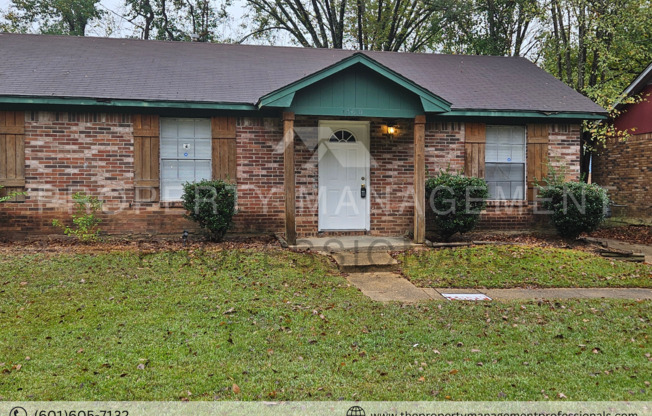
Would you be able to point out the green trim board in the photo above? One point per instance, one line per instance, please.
(92, 102)
(125, 103)
(435, 103)
(522, 114)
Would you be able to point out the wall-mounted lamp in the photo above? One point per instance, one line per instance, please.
(390, 130)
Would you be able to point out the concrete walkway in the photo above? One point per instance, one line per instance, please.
(388, 287)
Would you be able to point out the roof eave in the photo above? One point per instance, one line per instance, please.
(639, 82)
(110, 102)
(525, 114)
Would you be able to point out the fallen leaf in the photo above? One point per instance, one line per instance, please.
(562, 396)
(79, 351)
(141, 366)
(453, 371)
(436, 351)
(422, 379)
(235, 388)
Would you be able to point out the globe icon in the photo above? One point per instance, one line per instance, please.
(355, 411)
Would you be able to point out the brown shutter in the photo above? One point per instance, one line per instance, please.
(224, 148)
(146, 158)
(537, 156)
(474, 145)
(12, 152)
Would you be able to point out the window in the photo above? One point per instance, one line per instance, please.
(342, 136)
(185, 154)
(505, 162)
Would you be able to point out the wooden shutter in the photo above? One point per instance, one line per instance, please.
(146, 158)
(224, 148)
(12, 152)
(537, 156)
(474, 146)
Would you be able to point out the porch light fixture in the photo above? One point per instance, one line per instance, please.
(390, 130)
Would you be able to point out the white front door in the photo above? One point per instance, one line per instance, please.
(343, 173)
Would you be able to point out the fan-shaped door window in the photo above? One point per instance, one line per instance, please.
(342, 136)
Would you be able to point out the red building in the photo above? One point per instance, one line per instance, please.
(625, 167)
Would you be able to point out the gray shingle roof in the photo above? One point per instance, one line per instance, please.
(78, 67)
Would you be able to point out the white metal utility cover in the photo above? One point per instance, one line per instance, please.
(465, 296)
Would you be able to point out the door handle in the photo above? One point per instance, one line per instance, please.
(363, 191)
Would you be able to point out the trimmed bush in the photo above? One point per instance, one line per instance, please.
(456, 201)
(211, 204)
(576, 207)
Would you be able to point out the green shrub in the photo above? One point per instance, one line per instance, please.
(211, 204)
(456, 201)
(85, 221)
(576, 207)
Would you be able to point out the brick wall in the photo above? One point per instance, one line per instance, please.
(90, 152)
(260, 175)
(93, 152)
(444, 147)
(625, 169)
(564, 150)
(392, 180)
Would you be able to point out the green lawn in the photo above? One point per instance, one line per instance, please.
(520, 266)
(285, 326)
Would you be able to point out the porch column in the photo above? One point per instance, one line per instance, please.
(288, 178)
(419, 179)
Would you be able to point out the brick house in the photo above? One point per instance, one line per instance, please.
(318, 142)
(625, 167)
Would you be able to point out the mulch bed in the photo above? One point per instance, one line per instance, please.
(59, 244)
(546, 240)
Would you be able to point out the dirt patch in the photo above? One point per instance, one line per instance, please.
(58, 244)
(633, 234)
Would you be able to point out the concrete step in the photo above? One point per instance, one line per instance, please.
(363, 262)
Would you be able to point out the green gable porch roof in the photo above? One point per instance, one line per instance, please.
(356, 86)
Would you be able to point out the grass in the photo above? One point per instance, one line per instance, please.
(520, 266)
(286, 326)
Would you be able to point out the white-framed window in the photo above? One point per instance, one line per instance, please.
(185, 154)
(505, 162)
